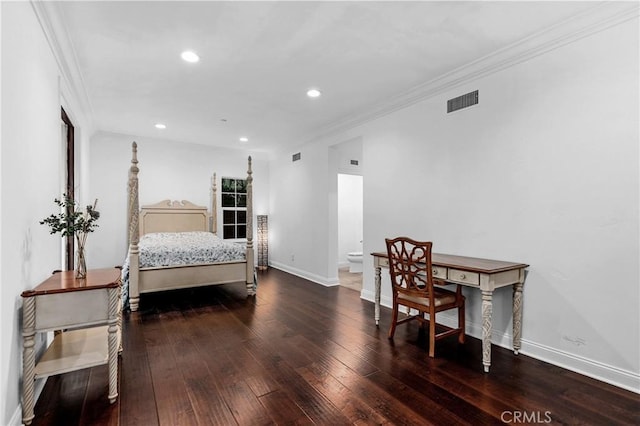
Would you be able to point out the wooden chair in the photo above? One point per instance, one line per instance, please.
(414, 287)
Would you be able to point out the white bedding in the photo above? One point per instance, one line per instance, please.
(186, 248)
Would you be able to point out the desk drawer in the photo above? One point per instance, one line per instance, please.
(439, 272)
(383, 262)
(456, 275)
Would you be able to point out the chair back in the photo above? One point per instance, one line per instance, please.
(410, 266)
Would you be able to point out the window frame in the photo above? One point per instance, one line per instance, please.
(226, 194)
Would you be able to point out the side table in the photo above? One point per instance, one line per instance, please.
(87, 310)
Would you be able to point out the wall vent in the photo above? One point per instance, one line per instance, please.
(354, 162)
(462, 101)
(295, 157)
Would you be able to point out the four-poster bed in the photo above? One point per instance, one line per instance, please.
(159, 233)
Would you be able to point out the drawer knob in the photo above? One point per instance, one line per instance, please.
(435, 272)
(463, 276)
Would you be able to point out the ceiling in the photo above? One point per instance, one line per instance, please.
(259, 58)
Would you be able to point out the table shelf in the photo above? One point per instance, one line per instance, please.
(74, 350)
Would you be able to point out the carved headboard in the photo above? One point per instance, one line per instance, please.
(173, 216)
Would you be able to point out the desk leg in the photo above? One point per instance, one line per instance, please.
(487, 309)
(377, 295)
(113, 343)
(28, 357)
(517, 314)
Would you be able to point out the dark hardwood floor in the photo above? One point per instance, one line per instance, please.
(301, 353)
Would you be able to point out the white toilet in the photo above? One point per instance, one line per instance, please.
(355, 261)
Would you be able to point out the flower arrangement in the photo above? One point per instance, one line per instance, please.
(71, 221)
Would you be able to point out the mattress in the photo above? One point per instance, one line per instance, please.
(181, 248)
(186, 248)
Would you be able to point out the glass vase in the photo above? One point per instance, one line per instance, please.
(81, 263)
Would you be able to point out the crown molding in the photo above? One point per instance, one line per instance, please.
(72, 89)
(601, 16)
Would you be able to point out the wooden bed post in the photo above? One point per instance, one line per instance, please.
(134, 231)
(213, 220)
(251, 288)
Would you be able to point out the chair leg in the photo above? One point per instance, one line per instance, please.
(461, 325)
(394, 320)
(432, 335)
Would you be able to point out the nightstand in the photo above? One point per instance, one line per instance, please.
(87, 312)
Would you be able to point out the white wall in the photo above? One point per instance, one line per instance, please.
(301, 208)
(168, 170)
(349, 216)
(31, 165)
(544, 171)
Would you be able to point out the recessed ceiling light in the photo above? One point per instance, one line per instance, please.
(244, 139)
(160, 126)
(190, 56)
(313, 93)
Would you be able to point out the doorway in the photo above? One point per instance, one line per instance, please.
(69, 187)
(350, 230)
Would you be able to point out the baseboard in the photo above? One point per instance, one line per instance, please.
(327, 282)
(16, 419)
(38, 386)
(597, 370)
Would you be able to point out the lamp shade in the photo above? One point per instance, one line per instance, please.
(263, 242)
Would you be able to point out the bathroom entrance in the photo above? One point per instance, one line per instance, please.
(350, 230)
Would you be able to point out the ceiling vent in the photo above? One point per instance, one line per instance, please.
(295, 157)
(463, 101)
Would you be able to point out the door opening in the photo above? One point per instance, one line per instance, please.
(68, 137)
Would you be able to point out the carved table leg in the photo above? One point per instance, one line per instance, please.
(120, 320)
(517, 316)
(377, 295)
(487, 308)
(28, 358)
(113, 343)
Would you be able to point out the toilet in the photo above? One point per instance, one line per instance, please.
(355, 261)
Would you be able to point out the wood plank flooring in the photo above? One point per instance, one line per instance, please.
(352, 280)
(301, 353)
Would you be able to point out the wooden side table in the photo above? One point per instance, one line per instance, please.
(88, 311)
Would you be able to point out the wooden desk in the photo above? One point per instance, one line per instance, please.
(482, 274)
(88, 310)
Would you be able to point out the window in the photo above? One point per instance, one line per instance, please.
(234, 208)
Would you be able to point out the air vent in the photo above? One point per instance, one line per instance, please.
(354, 162)
(462, 101)
(295, 157)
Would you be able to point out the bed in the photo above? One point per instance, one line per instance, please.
(159, 233)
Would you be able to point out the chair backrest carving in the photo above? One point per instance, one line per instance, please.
(410, 266)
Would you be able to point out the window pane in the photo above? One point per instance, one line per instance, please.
(228, 185)
(229, 231)
(228, 217)
(228, 200)
(234, 196)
